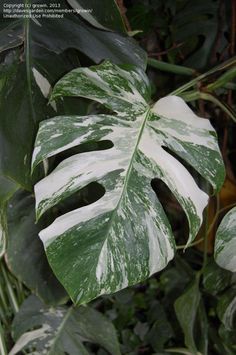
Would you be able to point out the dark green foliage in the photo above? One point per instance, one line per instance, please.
(25, 253)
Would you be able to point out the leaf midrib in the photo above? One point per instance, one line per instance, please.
(28, 61)
(114, 213)
(133, 155)
(60, 330)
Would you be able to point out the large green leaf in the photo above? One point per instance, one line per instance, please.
(22, 103)
(25, 254)
(19, 112)
(62, 330)
(11, 34)
(225, 242)
(72, 32)
(58, 35)
(125, 236)
(105, 17)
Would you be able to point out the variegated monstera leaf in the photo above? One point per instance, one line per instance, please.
(124, 237)
(225, 242)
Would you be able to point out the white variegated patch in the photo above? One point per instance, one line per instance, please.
(42, 82)
(2, 241)
(179, 121)
(125, 236)
(30, 337)
(44, 85)
(225, 242)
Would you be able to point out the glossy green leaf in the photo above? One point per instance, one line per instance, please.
(58, 35)
(25, 254)
(71, 32)
(11, 34)
(186, 310)
(56, 331)
(226, 308)
(225, 242)
(125, 236)
(20, 111)
(104, 17)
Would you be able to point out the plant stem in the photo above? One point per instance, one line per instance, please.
(3, 348)
(193, 82)
(3, 299)
(171, 68)
(180, 351)
(218, 212)
(20, 291)
(196, 95)
(190, 245)
(10, 291)
(122, 8)
(205, 256)
(28, 60)
(222, 80)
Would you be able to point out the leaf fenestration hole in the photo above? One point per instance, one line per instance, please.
(85, 196)
(172, 208)
(199, 180)
(82, 148)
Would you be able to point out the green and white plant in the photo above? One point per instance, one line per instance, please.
(225, 243)
(125, 236)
